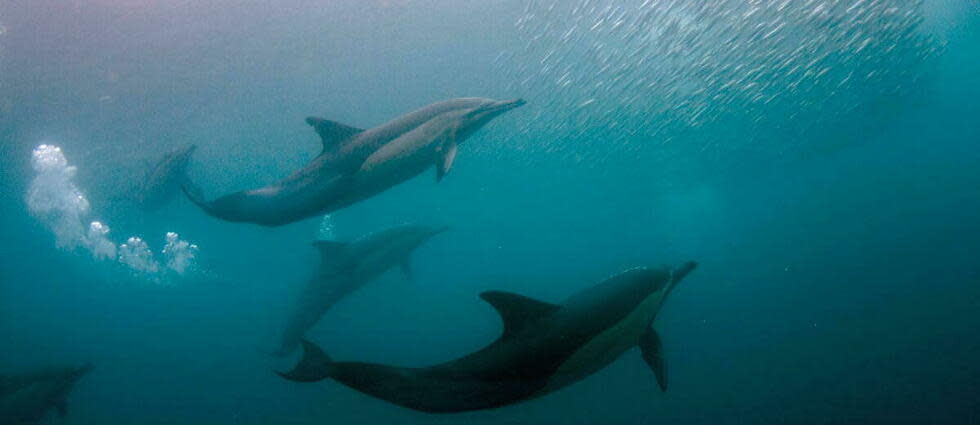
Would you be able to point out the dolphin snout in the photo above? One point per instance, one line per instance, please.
(433, 231)
(83, 370)
(510, 104)
(492, 110)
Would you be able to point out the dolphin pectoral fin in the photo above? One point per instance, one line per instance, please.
(314, 366)
(407, 269)
(62, 408)
(652, 349)
(445, 161)
(332, 133)
(517, 311)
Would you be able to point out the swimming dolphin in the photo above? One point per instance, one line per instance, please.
(544, 347)
(162, 179)
(356, 164)
(26, 398)
(345, 267)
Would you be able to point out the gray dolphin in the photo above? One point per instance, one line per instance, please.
(161, 180)
(345, 267)
(356, 164)
(544, 347)
(26, 398)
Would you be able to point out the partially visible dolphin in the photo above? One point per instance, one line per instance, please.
(345, 267)
(544, 347)
(26, 398)
(356, 164)
(162, 180)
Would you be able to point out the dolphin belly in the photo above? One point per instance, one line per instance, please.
(433, 390)
(605, 347)
(276, 205)
(391, 165)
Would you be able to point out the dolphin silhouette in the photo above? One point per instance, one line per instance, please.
(544, 347)
(26, 398)
(345, 267)
(356, 164)
(161, 181)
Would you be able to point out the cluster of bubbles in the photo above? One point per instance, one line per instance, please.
(645, 69)
(326, 232)
(54, 199)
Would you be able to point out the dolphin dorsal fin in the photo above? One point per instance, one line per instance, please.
(332, 133)
(517, 310)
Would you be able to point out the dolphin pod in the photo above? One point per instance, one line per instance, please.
(26, 398)
(356, 164)
(543, 347)
(345, 267)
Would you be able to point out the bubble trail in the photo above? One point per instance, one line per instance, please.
(55, 200)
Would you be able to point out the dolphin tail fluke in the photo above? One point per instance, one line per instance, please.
(314, 366)
(189, 149)
(195, 195)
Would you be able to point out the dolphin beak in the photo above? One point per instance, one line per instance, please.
(437, 230)
(495, 109)
(184, 153)
(506, 105)
(83, 370)
(680, 273)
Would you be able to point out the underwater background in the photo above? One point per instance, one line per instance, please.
(818, 158)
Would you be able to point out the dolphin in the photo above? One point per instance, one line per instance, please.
(26, 398)
(345, 267)
(162, 180)
(356, 164)
(543, 347)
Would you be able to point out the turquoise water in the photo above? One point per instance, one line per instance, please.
(818, 159)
